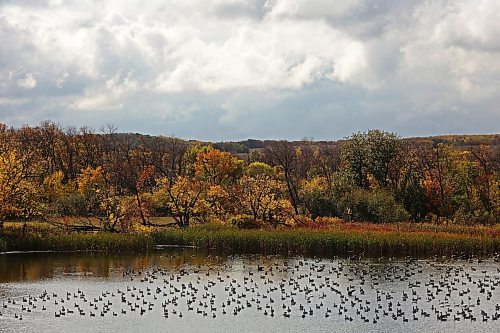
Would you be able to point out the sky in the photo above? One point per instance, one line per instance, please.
(265, 69)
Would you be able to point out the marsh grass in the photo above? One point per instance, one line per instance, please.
(337, 239)
(96, 242)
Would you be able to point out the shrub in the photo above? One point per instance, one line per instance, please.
(385, 208)
(303, 221)
(326, 220)
(245, 222)
(318, 198)
(376, 206)
(71, 204)
(300, 221)
(478, 216)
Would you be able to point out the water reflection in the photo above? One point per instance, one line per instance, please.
(35, 266)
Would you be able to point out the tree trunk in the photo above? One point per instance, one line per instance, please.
(1, 227)
(291, 191)
(139, 206)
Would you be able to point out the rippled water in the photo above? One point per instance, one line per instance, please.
(189, 291)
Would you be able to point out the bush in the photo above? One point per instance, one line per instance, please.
(376, 206)
(326, 220)
(318, 198)
(320, 222)
(72, 204)
(245, 222)
(479, 216)
(301, 221)
(385, 208)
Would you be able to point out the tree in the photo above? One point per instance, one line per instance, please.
(261, 197)
(19, 196)
(370, 154)
(410, 190)
(19, 188)
(438, 168)
(327, 158)
(283, 154)
(217, 168)
(102, 200)
(354, 155)
(258, 168)
(168, 156)
(319, 198)
(383, 148)
(184, 198)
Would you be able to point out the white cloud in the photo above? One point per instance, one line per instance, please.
(307, 9)
(203, 58)
(110, 96)
(28, 82)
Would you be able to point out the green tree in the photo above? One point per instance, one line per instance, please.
(370, 154)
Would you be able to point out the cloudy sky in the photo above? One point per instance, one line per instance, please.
(237, 69)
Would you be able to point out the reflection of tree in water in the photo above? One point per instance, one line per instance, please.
(36, 266)
(25, 267)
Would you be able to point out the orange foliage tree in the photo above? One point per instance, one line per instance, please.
(217, 168)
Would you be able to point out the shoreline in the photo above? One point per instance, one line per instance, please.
(342, 239)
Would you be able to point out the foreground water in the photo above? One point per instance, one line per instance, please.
(189, 291)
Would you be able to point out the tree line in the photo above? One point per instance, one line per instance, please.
(123, 180)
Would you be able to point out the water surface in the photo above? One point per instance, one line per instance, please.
(190, 291)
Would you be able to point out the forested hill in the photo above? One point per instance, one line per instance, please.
(464, 141)
(246, 146)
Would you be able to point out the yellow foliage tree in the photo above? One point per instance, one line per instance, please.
(19, 193)
(217, 168)
(103, 201)
(185, 198)
(261, 197)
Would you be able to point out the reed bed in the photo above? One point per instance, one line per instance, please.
(348, 239)
(337, 239)
(98, 242)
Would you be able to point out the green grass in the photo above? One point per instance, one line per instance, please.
(332, 241)
(336, 239)
(101, 242)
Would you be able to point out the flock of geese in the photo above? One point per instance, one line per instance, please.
(351, 290)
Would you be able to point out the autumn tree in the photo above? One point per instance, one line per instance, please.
(168, 156)
(260, 195)
(408, 181)
(438, 168)
(284, 154)
(318, 197)
(19, 195)
(217, 168)
(102, 200)
(184, 198)
(486, 183)
(19, 179)
(327, 161)
(258, 168)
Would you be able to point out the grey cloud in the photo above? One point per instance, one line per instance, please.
(247, 9)
(235, 69)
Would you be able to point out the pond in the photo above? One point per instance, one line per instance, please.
(184, 290)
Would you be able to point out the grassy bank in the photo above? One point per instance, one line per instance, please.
(342, 240)
(99, 242)
(338, 239)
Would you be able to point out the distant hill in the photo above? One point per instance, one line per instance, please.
(246, 146)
